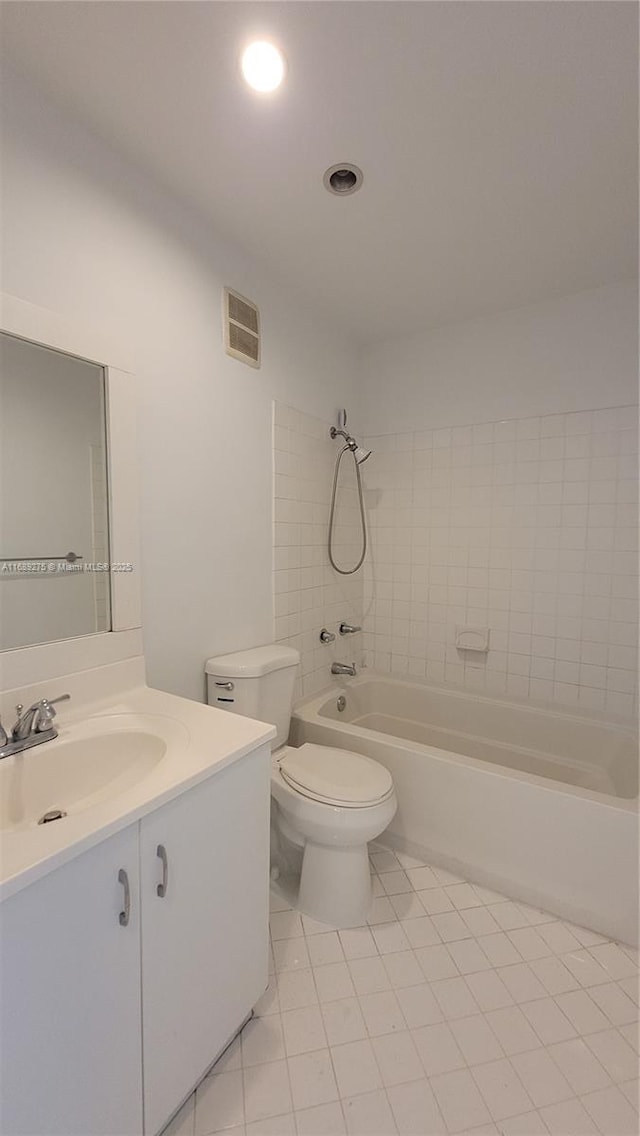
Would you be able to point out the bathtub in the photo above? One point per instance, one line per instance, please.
(533, 801)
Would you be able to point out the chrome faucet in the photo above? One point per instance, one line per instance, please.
(343, 669)
(32, 727)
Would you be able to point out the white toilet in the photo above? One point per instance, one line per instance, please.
(327, 803)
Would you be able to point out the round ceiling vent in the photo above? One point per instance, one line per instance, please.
(343, 178)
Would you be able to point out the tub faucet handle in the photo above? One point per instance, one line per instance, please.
(327, 636)
(349, 629)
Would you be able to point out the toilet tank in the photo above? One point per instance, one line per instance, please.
(258, 683)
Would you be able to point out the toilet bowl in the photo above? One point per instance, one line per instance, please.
(331, 803)
(327, 803)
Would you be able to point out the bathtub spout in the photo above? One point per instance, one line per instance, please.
(343, 669)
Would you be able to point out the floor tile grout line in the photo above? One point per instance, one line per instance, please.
(495, 1119)
(506, 899)
(426, 1077)
(473, 938)
(580, 988)
(315, 986)
(446, 1022)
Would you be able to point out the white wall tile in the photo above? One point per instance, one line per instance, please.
(512, 525)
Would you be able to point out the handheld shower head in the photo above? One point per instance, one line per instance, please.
(361, 455)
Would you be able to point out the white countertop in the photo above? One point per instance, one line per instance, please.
(207, 740)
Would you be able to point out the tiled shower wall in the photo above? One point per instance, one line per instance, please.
(309, 594)
(527, 526)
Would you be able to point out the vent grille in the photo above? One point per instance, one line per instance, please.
(244, 342)
(243, 312)
(241, 328)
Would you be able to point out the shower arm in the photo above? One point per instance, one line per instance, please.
(335, 432)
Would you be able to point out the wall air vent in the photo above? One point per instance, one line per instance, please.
(241, 328)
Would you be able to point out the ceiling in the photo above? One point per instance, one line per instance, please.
(497, 140)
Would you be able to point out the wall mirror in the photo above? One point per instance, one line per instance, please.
(54, 531)
(69, 540)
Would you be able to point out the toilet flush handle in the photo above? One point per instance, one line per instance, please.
(225, 685)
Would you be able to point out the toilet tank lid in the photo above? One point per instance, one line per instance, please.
(253, 663)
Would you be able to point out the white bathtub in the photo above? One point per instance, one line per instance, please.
(530, 800)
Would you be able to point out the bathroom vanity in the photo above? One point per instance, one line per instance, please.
(135, 928)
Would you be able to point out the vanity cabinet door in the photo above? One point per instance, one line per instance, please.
(70, 999)
(205, 934)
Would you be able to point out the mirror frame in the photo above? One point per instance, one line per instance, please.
(23, 666)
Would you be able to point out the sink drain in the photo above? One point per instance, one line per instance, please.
(53, 814)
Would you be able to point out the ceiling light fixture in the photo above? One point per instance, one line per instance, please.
(263, 66)
(343, 178)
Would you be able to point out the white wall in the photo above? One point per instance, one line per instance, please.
(575, 353)
(89, 236)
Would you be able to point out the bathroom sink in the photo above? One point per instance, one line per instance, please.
(96, 760)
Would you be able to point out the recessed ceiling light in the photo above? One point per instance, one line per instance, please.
(263, 66)
(343, 178)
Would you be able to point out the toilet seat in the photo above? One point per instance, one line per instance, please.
(335, 776)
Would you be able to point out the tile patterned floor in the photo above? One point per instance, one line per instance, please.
(454, 1010)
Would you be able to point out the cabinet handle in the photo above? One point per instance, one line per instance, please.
(161, 853)
(123, 879)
